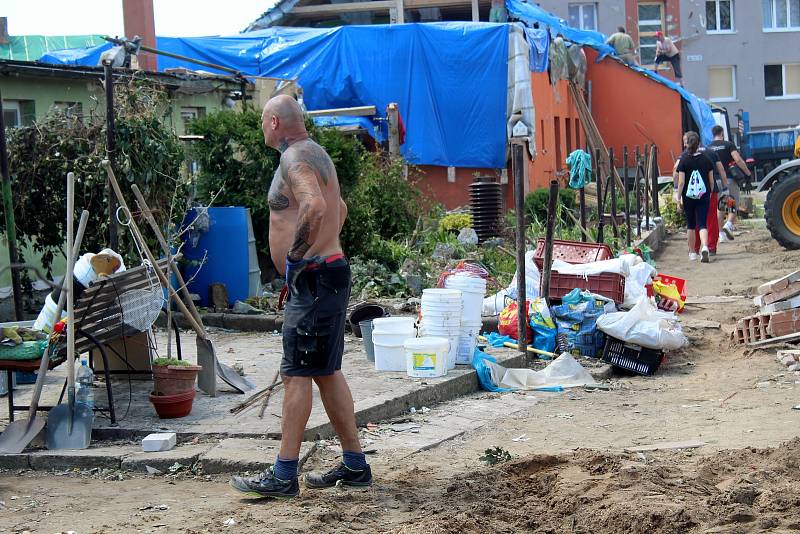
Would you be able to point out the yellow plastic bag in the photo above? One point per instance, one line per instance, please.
(668, 292)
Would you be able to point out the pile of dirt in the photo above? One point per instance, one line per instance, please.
(748, 490)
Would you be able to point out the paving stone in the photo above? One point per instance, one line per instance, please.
(184, 455)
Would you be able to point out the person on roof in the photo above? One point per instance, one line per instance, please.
(666, 51)
(623, 45)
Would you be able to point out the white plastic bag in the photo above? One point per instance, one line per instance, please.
(644, 325)
(532, 278)
(494, 304)
(640, 275)
(614, 266)
(696, 187)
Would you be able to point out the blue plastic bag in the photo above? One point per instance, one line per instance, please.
(576, 320)
(544, 329)
(479, 359)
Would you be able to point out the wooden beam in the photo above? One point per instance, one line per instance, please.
(401, 15)
(349, 7)
(476, 14)
(360, 111)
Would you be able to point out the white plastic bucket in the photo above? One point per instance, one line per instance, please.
(453, 317)
(453, 335)
(47, 317)
(84, 272)
(390, 357)
(467, 340)
(393, 340)
(473, 290)
(440, 294)
(393, 325)
(426, 357)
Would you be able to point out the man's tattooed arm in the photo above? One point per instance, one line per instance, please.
(303, 180)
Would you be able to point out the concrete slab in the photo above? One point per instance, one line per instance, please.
(377, 395)
(184, 455)
(102, 457)
(235, 455)
(15, 461)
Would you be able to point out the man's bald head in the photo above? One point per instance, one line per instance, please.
(282, 121)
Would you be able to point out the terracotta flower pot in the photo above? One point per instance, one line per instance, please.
(174, 379)
(173, 406)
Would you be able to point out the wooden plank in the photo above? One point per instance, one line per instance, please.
(666, 446)
(713, 299)
(349, 7)
(400, 12)
(778, 284)
(774, 340)
(786, 293)
(476, 13)
(358, 111)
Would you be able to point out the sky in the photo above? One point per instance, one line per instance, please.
(174, 18)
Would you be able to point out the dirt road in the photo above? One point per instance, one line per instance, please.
(569, 472)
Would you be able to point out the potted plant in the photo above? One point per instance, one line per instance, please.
(173, 392)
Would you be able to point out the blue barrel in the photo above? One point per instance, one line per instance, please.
(222, 239)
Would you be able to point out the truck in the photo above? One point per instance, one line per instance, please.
(773, 158)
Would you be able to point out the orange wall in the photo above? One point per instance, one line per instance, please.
(434, 185)
(631, 109)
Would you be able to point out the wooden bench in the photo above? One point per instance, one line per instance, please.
(98, 322)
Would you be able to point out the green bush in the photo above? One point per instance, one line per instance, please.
(40, 156)
(455, 222)
(536, 205)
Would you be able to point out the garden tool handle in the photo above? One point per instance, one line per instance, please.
(37, 391)
(70, 288)
(148, 215)
(138, 236)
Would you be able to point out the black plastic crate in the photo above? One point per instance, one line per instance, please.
(633, 358)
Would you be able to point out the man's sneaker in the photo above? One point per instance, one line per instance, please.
(692, 256)
(728, 229)
(704, 255)
(266, 485)
(349, 477)
(722, 237)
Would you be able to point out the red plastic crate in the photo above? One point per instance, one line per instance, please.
(606, 284)
(572, 252)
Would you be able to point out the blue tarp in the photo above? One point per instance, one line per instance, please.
(376, 132)
(76, 56)
(449, 79)
(531, 13)
(540, 49)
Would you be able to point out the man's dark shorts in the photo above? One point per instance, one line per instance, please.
(313, 320)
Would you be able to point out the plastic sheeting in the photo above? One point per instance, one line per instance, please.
(533, 14)
(32, 47)
(520, 94)
(539, 41)
(449, 79)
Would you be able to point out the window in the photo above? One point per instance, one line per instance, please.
(782, 81)
(781, 15)
(651, 20)
(12, 115)
(583, 16)
(719, 16)
(722, 84)
(190, 113)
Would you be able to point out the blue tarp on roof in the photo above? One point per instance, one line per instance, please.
(531, 13)
(454, 110)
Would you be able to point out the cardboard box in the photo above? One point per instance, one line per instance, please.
(135, 349)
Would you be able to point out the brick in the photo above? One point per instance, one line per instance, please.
(788, 292)
(780, 283)
(782, 305)
(784, 323)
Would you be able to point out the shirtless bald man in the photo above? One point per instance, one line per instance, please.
(306, 217)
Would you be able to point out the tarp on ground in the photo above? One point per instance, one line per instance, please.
(449, 79)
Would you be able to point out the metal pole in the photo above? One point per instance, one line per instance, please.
(613, 192)
(656, 208)
(637, 193)
(646, 171)
(626, 187)
(111, 149)
(11, 229)
(548, 240)
(600, 209)
(517, 162)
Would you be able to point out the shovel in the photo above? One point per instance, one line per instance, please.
(205, 349)
(68, 426)
(18, 434)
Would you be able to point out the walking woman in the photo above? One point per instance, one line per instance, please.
(695, 173)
